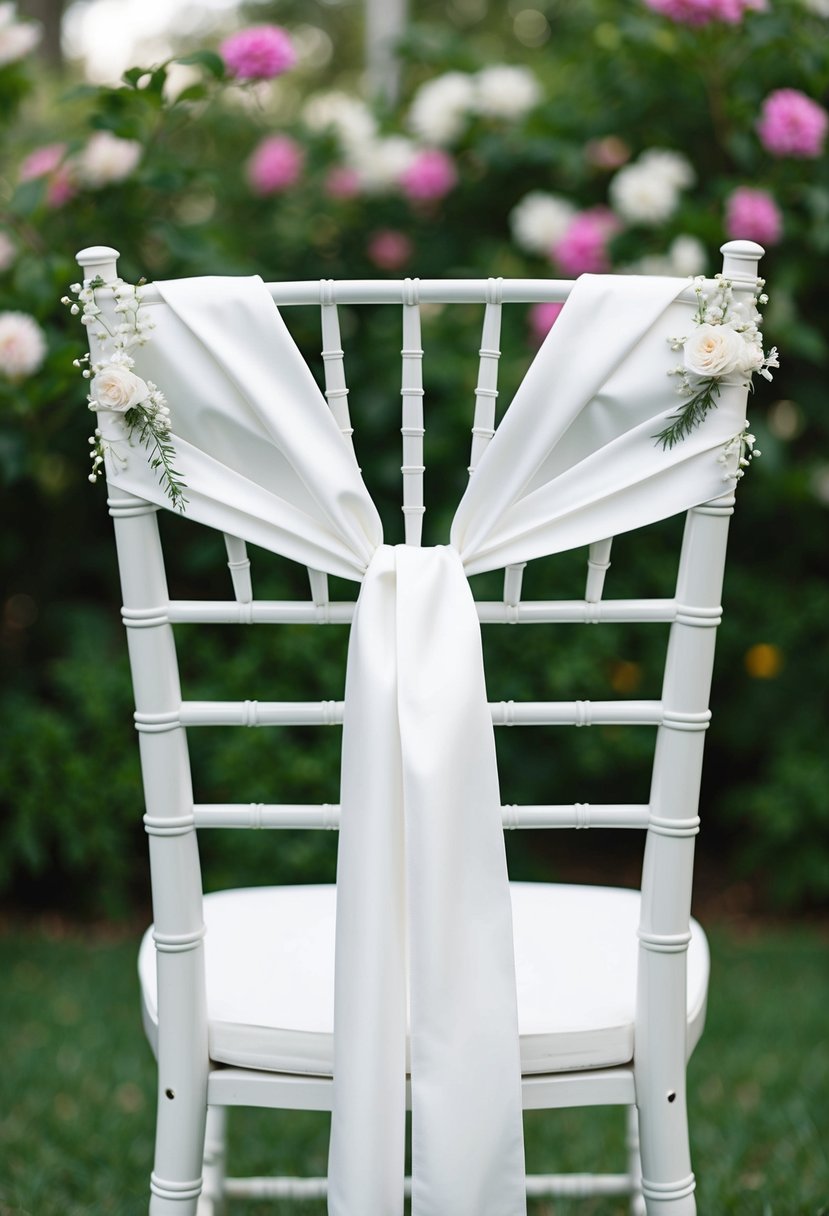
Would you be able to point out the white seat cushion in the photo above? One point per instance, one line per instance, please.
(270, 977)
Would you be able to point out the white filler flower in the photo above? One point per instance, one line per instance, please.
(505, 91)
(440, 108)
(17, 38)
(540, 220)
(116, 388)
(107, 159)
(22, 345)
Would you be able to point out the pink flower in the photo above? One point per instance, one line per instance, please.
(258, 53)
(48, 162)
(702, 12)
(791, 124)
(431, 175)
(542, 318)
(42, 161)
(275, 165)
(342, 182)
(753, 215)
(389, 249)
(609, 152)
(583, 248)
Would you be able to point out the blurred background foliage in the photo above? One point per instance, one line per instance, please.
(609, 80)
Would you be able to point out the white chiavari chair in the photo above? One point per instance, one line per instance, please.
(238, 986)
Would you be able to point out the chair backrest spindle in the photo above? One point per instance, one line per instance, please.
(412, 429)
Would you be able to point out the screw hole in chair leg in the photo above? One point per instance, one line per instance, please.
(671, 1095)
(169, 1093)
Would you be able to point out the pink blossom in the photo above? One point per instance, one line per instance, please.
(42, 161)
(61, 187)
(542, 318)
(258, 53)
(609, 152)
(389, 249)
(431, 175)
(753, 215)
(342, 182)
(791, 124)
(583, 248)
(702, 12)
(275, 165)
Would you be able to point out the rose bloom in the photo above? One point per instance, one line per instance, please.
(791, 124)
(441, 107)
(22, 345)
(702, 12)
(42, 161)
(117, 388)
(107, 159)
(542, 318)
(17, 38)
(389, 249)
(753, 215)
(506, 90)
(431, 175)
(714, 350)
(258, 53)
(539, 220)
(275, 165)
(583, 248)
(342, 182)
(380, 163)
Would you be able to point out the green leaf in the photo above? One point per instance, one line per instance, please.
(205, 59)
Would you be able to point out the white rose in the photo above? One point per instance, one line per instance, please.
(440, 108)
(380, 162)
(22, 345)
(672, 166)
(540, 220)
(117, 388)
(642, 196)
(714, 351)
(17, 39)
(506, 91)
(106, 159)
(346, 117)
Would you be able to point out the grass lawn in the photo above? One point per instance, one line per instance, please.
(77, 1087)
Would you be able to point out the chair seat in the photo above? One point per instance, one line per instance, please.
(270, 977)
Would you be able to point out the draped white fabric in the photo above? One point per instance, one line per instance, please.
(424, 934)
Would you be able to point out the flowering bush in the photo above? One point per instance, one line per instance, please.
(632, 137)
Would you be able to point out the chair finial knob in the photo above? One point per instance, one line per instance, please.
(99, 261)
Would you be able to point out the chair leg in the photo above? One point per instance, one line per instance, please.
(176, 1180)
(637, 1202)
(667, 1179)
(211, 1202)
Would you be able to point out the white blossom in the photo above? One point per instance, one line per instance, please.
(22, 345)
(381, 162)
(17, 38)
(345, 117)
(506, 91)
(672, 166)
(641, 196)
(107, 159)
(687, 256)
(8, 252)
(441, 107)
(540, 220)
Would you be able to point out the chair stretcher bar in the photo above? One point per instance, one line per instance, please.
(327, 816)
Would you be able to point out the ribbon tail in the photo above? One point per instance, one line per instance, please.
(368, 1122)
(467, 1133)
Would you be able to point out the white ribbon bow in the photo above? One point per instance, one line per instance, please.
(424, 932)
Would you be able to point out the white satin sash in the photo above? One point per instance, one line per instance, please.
(424, 933)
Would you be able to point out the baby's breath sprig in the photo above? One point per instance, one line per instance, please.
(117, 389)
(726, 341)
